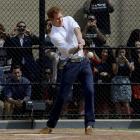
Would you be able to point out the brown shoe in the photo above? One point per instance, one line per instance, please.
(88, 130)
(46, 130)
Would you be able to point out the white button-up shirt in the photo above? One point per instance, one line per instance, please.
(64, 38)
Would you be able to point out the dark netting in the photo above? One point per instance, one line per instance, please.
(39, 59)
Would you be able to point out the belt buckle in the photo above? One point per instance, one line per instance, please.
(79, 59)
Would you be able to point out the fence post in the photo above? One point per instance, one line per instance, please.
(41, 35)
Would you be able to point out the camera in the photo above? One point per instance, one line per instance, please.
(90, 36)
(91, 32)
(89, 39)
(21, 30)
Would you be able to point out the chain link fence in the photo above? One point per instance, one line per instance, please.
(40, 71)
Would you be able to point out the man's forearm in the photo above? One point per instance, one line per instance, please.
(79, 36)
(73, 50)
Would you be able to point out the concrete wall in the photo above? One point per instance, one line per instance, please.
(78, 123)
(125, 18)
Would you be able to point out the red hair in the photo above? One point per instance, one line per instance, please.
(52, 11)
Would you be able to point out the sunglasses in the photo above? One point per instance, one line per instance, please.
(21, 26)
(91, 19)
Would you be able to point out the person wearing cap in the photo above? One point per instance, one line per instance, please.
(92, 33)
(101, 9)
(93, 36)
(67, 37)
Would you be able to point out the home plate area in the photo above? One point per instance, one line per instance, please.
(69, 134)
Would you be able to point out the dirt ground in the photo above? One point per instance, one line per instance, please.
(69, 134)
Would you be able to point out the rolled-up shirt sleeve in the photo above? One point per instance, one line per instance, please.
(73, 23)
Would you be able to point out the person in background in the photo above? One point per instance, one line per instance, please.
(134, 42)
(91, 28)
(3, 53)
(101, 9)
(17, 92)
(51, 54)
(135, 78)
(121, 88)
(22, 38)
(104, 73)
(67, 37)
(4, 37)
(93, 36)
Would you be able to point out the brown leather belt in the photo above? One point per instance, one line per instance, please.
(76, 60)
(62, 63)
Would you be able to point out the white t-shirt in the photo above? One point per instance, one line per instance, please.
(64, 37)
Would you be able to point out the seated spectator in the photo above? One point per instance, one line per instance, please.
(51, 54)
(3, 43)
(1, 99)
(17, 92)
(101, 9)
(1, 108)
(103, 74)
(3, 62)
(134, 41)
(121, 93)
(49, 92)
(1, 95)
(135, 78)
(22, 38)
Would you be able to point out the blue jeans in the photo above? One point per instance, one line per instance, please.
(71, 72)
